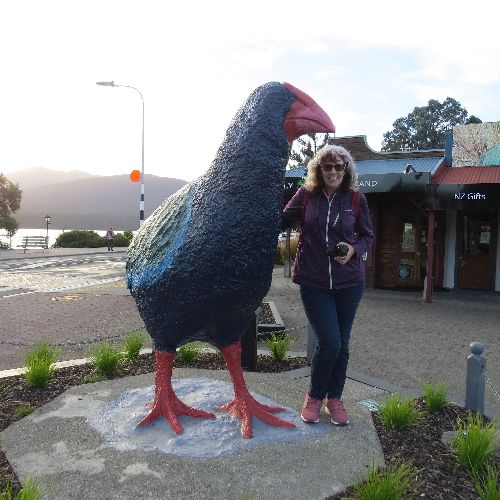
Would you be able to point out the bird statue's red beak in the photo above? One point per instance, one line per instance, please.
(305, 116)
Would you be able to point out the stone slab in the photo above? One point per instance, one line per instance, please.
(71, 459)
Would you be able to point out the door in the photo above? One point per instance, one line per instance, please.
(401, 245)
(474, 262)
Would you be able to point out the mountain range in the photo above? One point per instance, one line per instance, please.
(79, 200)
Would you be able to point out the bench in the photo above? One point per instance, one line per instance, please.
(34, 242)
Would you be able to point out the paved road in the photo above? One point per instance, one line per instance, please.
(63, 296)
(71, 295)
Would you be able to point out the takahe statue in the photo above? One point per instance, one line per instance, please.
(201, 264)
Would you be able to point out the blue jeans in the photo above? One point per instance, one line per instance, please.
(330, 314)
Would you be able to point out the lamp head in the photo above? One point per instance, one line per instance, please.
(106, 84)
(409, 169)
(47, 219)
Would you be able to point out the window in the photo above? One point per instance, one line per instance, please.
(408, 237)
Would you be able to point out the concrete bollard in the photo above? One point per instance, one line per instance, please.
(475, 381)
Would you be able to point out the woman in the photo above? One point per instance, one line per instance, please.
(336, 232)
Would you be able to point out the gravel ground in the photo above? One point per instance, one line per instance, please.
(399, 339)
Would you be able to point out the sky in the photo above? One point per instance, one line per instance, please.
(195, 63)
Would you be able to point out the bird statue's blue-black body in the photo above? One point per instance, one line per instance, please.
(201, 264)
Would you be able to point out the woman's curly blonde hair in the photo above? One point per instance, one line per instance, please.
(314, 177)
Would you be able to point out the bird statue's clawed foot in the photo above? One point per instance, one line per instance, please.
(244, 405)
(166, 403)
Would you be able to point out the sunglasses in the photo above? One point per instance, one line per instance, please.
(339, 167)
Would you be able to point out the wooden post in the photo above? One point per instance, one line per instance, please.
(249, 346)
(288, 264)
(430, 257)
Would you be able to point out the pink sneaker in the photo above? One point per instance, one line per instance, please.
(338, 414)
(311, 409)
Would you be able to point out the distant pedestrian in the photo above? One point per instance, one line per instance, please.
(110, 236)
(329, 267)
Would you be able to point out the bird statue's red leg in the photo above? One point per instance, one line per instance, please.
(166, 403)
(244, 405)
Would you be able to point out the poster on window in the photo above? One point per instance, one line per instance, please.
(484, 238)
(408, 243)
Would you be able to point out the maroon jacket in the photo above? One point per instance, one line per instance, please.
(328, 222)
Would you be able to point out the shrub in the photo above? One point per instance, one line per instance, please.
(106, 359)
(435, 396)
(79, 239)
(187, 352)
(397, 413)
(133, 344)
(39, 364)
(475, 443)
(129, 235)
(120, 240)
(279, 345)
(397, 482)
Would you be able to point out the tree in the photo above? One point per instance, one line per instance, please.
(426, 126)
(10, 197)
(10, 225)
(305, 147)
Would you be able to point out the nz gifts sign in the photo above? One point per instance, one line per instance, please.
(481, 197)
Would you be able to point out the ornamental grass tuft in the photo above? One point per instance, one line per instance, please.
(188, 352)
(475, 443)
(397, 413)
(279, 345)
(30, 491)
(39, 363)
(106, 359)
(133, 344)
(93, 377)
(397, 482)
(435, 396)
(488, 487)
(24, 410)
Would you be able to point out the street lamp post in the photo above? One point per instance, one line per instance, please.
(47, 220)
(141, 205)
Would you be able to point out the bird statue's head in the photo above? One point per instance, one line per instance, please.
(305, 116)
(262, 130)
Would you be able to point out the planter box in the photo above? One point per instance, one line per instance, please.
(268, 320)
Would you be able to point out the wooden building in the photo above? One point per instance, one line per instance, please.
(432, 218)
(394, 184)
(465, 190)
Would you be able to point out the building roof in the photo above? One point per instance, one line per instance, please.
(398, 166)
(385, 166)
(359, 149)
(467, 175)
(295, 172)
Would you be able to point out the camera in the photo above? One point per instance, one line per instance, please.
(338, 250)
